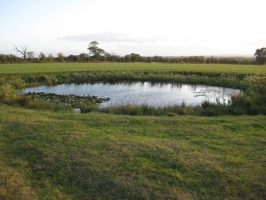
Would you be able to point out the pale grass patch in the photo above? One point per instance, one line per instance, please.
(14, 184)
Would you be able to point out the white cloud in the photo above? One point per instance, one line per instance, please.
(110, 37)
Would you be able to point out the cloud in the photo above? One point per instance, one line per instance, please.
(110, 37)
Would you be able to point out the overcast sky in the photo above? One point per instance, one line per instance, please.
(146, 27)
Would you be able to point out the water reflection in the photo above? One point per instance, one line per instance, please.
(136, 93)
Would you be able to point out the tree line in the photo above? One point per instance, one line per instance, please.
(97, 54)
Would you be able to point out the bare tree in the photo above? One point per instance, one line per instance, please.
(23, 51)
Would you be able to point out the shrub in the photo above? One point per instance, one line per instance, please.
(17, 83)
(7, 90)
(23, 101)
(255, 84)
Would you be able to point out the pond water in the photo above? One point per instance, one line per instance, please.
(137, 93)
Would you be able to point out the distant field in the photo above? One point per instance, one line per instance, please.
(70, 67)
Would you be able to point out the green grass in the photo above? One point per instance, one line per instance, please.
(49, 155)
(65, 155)
(77, 67)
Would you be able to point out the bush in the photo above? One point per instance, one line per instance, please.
(255, 84)
(7, 90)
(23, 101)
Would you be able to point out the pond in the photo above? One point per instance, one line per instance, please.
(137, 93)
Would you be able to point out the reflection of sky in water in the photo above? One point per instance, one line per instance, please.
(136, 93)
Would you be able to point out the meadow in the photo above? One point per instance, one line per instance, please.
(38, 68)
(58, 154)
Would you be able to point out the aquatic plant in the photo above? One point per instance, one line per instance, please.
(73, 100)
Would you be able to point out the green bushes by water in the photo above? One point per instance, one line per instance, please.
(225, 79)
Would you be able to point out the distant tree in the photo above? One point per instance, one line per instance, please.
(83, 57)
(260, 55)
(128, 58)
(149, 59)
(95, 51)
(73, 58)
(155, 58)
(60, 57)
(30, 55)
(42, 57)
(135, 57)
(200, 59)
(23, 51)
(50, 57)
(112, 57)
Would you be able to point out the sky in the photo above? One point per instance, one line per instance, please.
(145, 27)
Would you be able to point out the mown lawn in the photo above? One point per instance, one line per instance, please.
(57, 155)
(76, 67)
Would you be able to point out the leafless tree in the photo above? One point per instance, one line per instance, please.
(23, 51)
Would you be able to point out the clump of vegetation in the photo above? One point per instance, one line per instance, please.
(26, 102)
(255, 84)
(8, 89)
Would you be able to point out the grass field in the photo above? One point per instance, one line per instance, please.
(65, 155)
(49, 155)
(37, 68)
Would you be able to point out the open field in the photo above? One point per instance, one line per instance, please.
(77, 67)
(55, 155)
(65, 155)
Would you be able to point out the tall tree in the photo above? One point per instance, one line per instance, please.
(23, 51)
(260, 55)
(95, 51)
